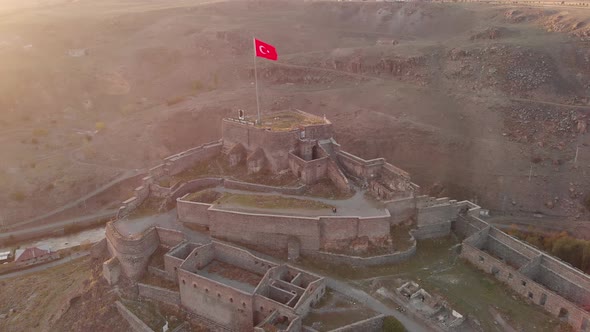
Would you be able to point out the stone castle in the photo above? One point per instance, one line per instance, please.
(279, 294)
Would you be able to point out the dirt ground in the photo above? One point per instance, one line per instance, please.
(69, 297)
(476, 101)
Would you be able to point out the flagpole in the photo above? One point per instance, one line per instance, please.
(256, 80)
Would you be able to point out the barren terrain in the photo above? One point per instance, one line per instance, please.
(476, 101)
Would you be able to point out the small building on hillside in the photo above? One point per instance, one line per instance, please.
(5, 256)
(34, 255)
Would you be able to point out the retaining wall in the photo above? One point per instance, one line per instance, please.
(231, 184)
(159, 294)
(374, 324)
(358, 261)
(136, 324)
(179, 162)
(169, 237)
(526, 287)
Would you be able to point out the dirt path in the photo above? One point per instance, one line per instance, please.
(126, 175)
(45, 266)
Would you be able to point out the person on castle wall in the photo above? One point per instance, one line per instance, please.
(334, 210)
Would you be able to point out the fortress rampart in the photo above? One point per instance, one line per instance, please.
(544, 280)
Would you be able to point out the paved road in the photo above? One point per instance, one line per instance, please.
(45, 266)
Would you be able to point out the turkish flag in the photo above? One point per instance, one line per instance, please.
(265, 50)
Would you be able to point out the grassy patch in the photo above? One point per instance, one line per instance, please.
(271, 202)
(336, 311)
(439, 271)
(280, 121)
(204, 196)
(326, 189)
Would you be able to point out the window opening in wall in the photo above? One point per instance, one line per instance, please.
(194, 285)
(481, 258)
(530, 295)
(563, 314)
(196, 253)
(509, 275)
(231, 300)
(219, 295)
(543, 299)
(261, 308)
(183, 281)
(495, 271)
(523, 282)
(206, 290)
(175, 268)
(244, 304)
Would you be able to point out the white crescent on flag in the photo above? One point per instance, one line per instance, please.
(265, 50)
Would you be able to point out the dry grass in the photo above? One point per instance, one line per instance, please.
(271, 202)
(37, 297)
(287, 120)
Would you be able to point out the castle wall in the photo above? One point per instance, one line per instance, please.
(374, 324)
(232, 184)
(564, 280)
(193, 212)
(401, 209)
(276, 144)
(136, 324)
(526, 287)
(270, 231)
(133, 252)
(337, 177)
(241, 258)
(140, 194)
(169, 237)
(319, 131)
(179, 162)
(220, 303)
(199, 257)
(358, 167)
(111, 270)
(357, 261)
(195, 185)
(159, 294)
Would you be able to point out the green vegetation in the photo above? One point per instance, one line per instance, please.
(568, 248)
(336, 311)
(438, 270)
(204, 196)
(288, 120)
(219, 167)
(391, 324)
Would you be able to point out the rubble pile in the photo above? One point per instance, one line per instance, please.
(491, 33)
(550, 127)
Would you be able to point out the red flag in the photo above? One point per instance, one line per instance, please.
(265, 50)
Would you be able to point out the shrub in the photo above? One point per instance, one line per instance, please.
(100, 126)
(174, 100)
(40, 132)
(18, 196)
(391, 324)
